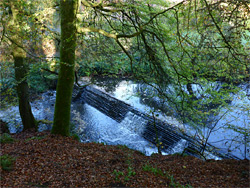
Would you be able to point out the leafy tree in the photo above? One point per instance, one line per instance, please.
(169, 40)
(20, 65)
(171, 47)
(192, 43)
(19, 29)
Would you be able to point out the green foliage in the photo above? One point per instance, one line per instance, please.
(158, 172)
(35, 138)
(7, 85)
(73, 129)
(118, 174)
(155, 171)
(35, 79)
(6, 162)
(128, 174)
(123, 147)
(6, 138)
(118, 67)
(76, 137)
(40, 80)
(192, 43)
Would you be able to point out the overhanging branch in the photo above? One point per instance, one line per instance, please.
(107, 34)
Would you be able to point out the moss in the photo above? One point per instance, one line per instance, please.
(6, 138)
(65, 84)
(21, 71)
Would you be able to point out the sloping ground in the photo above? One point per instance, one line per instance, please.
(45, 160)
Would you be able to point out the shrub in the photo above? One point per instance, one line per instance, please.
(76, 137)
(6, 138)
(7, 162)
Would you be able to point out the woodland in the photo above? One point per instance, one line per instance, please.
(168, 45)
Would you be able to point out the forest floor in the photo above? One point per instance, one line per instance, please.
(45, 160)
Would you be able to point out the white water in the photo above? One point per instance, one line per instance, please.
(41, 109)
(93, 125)
(100, 128)
(238, 117)
(227, 140)
(127, 91)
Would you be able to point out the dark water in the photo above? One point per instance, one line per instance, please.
(228, 140)
(93, 125)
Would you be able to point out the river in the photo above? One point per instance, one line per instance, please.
(93, 125)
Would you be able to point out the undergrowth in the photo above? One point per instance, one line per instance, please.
(6, 138)
(158, 172)
(7, 162)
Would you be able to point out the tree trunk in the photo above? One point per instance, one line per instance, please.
(21, 72)
(66, 73)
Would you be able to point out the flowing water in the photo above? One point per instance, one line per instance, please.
(94, 126)
(226, 139)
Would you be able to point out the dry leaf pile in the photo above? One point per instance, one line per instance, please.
(45, 160)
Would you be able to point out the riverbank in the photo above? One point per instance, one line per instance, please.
(45, 160)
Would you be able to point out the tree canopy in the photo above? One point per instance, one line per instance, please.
(168, 45)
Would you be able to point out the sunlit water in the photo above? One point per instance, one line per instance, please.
(227, 140)
(94, 126)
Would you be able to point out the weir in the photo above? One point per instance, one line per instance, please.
(167, 135)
